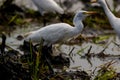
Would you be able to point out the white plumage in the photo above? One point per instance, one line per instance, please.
(54, 33)
(114, 21)
(48, 6)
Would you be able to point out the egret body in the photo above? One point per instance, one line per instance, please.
(114, 21)
(55, 33)
(48, 6)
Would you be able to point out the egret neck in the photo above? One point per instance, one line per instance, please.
(77, 21)
(109, 14)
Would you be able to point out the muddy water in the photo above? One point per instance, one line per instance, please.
(77, 53)
(91, 63)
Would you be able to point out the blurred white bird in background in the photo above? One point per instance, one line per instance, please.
(114, 21)
(58, 32)
(45, 6)
(48, 6)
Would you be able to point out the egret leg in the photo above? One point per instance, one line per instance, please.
(46, 52)
(49, 64)
(2, 46)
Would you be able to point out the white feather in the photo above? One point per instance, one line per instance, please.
(48, 6)
(114, 21)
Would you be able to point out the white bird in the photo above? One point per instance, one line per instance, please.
(114, 21)
(48, 6)
(55, 33)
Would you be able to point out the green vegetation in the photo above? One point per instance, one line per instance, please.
(106, 72)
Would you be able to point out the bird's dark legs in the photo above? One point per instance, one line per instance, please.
(49, 64)
(46, 51)
(2, 47)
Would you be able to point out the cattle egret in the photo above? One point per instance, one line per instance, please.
(55, 33)
(48, 6)
(114, 21)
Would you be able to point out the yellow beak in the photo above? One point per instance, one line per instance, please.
(90, 12)
(93, 1)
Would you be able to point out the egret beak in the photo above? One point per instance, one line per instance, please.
(93, 1)
(90, 12)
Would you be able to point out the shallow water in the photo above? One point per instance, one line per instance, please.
(91, 63)
(77, 59)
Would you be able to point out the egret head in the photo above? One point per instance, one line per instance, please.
(81, 15)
